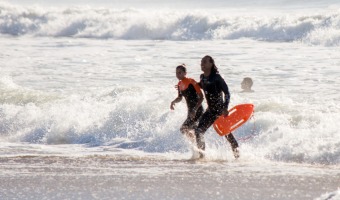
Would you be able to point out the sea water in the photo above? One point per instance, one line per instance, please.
(85, 92)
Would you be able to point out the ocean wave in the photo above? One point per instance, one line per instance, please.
(140, 119)
(118, 118)
(131, 24)
(11, 93)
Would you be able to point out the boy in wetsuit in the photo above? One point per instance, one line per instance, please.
(190, 90)
(213, 86)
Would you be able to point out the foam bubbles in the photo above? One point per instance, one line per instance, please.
(131, 24)
(330, 196)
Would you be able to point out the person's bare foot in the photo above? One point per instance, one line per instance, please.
(201, 155)
(236, 153)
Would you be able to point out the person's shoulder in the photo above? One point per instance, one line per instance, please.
(217, 76)
(191, 80)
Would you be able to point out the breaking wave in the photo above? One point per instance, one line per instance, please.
(140, 119)
(131, 24)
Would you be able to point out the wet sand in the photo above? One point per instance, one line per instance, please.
(107, 177)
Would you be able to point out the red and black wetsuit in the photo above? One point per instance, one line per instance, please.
(213, 86)
(189, 89)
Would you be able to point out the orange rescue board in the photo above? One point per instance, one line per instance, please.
(238, 115)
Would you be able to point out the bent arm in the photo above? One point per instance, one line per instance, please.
(199, 102)
(178, 99)
(199, 94)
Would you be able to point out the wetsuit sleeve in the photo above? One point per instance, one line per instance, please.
(196, 86)
(225, 89)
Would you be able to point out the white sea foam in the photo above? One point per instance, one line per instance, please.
(117, 118)
(321, 28)
(330, 196)
(119, 97)
(286, 131)
(84, 102)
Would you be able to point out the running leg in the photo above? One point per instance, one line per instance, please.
(234, 145)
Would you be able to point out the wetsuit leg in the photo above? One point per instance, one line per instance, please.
(205, 122)
(185, 130)
(199, 114)
(186, 125)
(231, 139)
(191, 123)
(234, 145)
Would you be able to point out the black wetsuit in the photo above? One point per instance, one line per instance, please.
(213, 86)
(189, 89)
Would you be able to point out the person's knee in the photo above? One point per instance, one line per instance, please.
(200, 141)
(199, 133)
(183, 128)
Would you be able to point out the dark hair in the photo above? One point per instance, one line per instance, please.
(182, 67)
(214, 69)
(248, 80)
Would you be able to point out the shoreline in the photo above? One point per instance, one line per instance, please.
(107, 177)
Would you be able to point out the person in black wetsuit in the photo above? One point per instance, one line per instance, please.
(213, 86)
(191, 91)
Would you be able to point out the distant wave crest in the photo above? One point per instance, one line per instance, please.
(130, 24)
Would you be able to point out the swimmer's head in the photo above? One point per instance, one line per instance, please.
(247, 83)
(181, 71)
